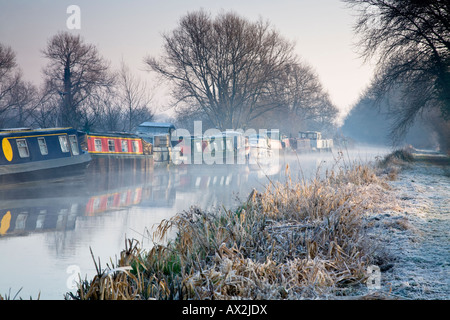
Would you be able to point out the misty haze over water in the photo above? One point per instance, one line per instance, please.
(54, 225)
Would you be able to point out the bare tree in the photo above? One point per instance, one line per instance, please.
(306, 96)
(304, 104)
(24, 101)
(135, 98)
(122, 107)
(47, 112)
(9, 79)
(75, 73)
(411, 42)
(17, 97)
(109, 113)
(7, 60)
(228, 66)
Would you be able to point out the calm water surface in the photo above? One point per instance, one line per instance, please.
(49, 228)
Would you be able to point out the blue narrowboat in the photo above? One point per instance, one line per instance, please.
(28, 155)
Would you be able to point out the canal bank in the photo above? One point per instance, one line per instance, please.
(54, 225)
(59, 252)
(319, 239)
(417, 234)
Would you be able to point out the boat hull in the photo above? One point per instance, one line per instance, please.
(44, 170)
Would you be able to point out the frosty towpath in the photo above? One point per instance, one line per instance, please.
(420, 246)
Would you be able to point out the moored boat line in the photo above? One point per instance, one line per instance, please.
(36, 154)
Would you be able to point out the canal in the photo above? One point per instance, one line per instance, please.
(48, 229)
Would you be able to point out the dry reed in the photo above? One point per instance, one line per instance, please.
(295, 240)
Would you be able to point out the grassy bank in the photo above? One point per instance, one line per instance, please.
(296, 239)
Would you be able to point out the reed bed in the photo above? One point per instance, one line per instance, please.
(294, 240)
(394, 162)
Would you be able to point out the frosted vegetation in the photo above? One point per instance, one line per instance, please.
(298, 240)
(417, 234)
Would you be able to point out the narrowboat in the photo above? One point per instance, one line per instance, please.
(159, 134)
(162, 150)
(240, 145)
(36, 154)
(308, 141)
(228, 147)
(193, 149)
(274, 140)
(259, 148)
(119, 144)
(185, 150)
(118, 150)
(148, 130)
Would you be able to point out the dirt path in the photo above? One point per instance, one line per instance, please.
(418, 237)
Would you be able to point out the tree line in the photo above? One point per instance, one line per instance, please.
(237, 73)
(227, 71)
(410, 43)
(79, 90)
(234, 73)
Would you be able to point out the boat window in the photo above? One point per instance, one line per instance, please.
(74, 144)
(135, 146)
(23, 148)
(21, 221)
(124, 146)
(64, 143)
(42, 146)
(111, 145)
(98, 145)
(123, 198)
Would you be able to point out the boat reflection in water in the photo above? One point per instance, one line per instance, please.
(46, 227)
(57, 204)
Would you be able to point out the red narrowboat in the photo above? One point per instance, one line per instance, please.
(114, 151)
(114, 144)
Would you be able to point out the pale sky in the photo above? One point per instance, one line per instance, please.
(321, 29)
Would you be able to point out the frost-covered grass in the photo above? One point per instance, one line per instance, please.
(415, 230)
(300, 240)
(417, 236)
(391, 164)
(294, 240)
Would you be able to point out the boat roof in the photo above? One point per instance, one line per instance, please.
(6, 131)
(231, 133)
(15, 129)
(113, 134)
(157, 124)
